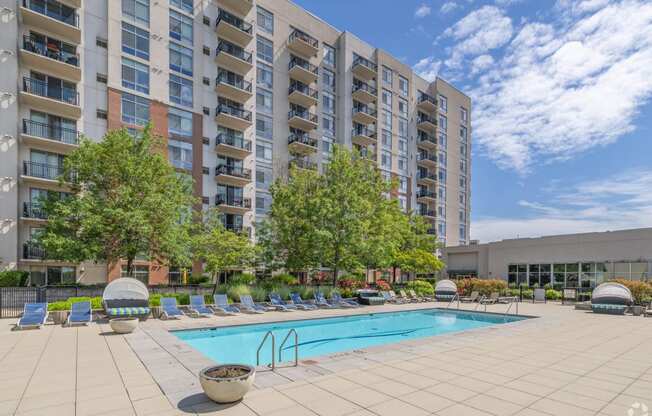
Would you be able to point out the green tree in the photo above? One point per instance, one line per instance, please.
(415, 248)
(221, 249)
(126, 200)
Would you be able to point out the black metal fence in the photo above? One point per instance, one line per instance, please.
(13, 299)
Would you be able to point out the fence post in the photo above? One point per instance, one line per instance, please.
(1, 296)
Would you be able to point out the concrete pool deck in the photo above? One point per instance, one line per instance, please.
(566, 362)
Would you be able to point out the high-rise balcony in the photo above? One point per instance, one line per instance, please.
(302, 70)
(53, 17)
(52, 98)
(302, 144)
(303, 164)
(233, 86)
(232, 117)
(32, 251)
(429, 213)
(363, 136)
(303, 44)
(426, 177)
(233, 28)
(37, 54)
(364, 68)
(232, 146)
(33, 211)
(233, 204)
(426, 140)
(427, 103)
(426, 122)
(49, 136)
(364, 114)
(427, 159)
(241, 7)
(364, 92)
(232, 175)
(43, 173)
(233, 58)
(303, 119)
(302, 95)
(426, 195)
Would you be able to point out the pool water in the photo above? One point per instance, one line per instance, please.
(238, 344)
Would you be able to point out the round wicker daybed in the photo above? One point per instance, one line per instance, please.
(445, 290)
(126, 297)
(611, 298)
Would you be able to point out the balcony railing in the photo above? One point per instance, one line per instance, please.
(297, 34)
(359, 60)
(226, 78)
(426, 138)
(425, 194)
(233, 111)
(237, 229)
(363, 86)
(426, 156)
(33, 210)
(237, 171)
(42, 170)
(302, 138)
(38, 87)
(234, 141)
(360, 130)
(31, 251)
(233, 201)
(424, 118)
(431, 231)
(296, 61)
(233, 50)
(50, 131)
(304, 114)
(427, 212)
(303, 164)
(233, 20)
(427, 98)
(54, 10)
(33, 44)
(426, 175)
(303, 89)
(360, 108)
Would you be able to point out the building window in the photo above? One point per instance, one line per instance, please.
(402, 127)
(441, 174)
(464, 115)
(403, 85)
(443, 103)
(135, 76)
(463, 133)
(462, 215)
(180, 27)
(442, 139)
(387, 76)
(264, 101)
(463, 182)
(179, 122)
(180, 154)
(386, 98)
(328, 124)
(462, 232)
(403, 184)
(265, 20)
(265, 49)
(135, 41)
(387, 140)
(141, 272)
(135, 109)
(402, 164)
(387, 120)
(441, 193)
(263, 151)
(180, 59)
(328, 103)
(101, 114)
(136, 11)
(101, 42)
(441, 158)
(328, 79)
(263, 177)
(264, 126)
(402, 146)
(329, 55)
(462, 197)
(185, 5)
(180, 90)
(402, 107)
(463, 166)
(386, 159)
(326, 146)
(443, 122)
(402, 202)
(264, 75)
(463, 150)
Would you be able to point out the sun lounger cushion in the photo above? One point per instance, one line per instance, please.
(128, 311)
(609, 309)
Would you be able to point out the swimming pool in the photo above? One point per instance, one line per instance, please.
(238, 344)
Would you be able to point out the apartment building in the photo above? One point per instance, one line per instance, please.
(239, 89)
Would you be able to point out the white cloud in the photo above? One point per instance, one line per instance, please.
(481, 63)
(422, 11)
(448, 7)
(619, 202)
(427, 68)
(558, 91)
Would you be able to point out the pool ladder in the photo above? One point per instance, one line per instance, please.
(269, 334)
(456, 297)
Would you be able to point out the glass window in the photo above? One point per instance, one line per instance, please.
(402, 146)
(387, 76)
(402, 127)
(263, 151)
(387, 140)
(443, 103)
(464, 115)
(443, 122)
(141, 272)
(264, 75)
(441, 174)
(328, 79)
(185, 5)
(265, 49)
(462, 232)
(135, 109)
(387, 98)
(387, 119)
(263, 177)
(463, 133)
(264, 100)
(329, 55)
(402, 202)
(462, 182)
(135, 75)
(135, 41)
(386, 159)
(180, 154)
(328, 102)
(180, 59)
(403, 184)
(402, 107)
(326, 146)
(402, 164)
(180, 27)
(442, 139)
(441, 193)
(179, 122)
(328, 123)
(403, 85)
(265, 20)
(264, 126)
(463, 166)
(181, 90)
(441, 158)
(263, 203)
(136, 11)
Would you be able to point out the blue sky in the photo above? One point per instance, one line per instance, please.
(562, 116)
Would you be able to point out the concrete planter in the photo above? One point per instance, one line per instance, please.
(637, 310)
(123, 325)
(156, 311)
(227, 389)
(59, 317)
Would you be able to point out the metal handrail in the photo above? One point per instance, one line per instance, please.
(296, 346)
(510, 307)
(483, 297)
(457, 296)
(273, 349)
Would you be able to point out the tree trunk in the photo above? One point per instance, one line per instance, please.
(216, 278)
(130, 266)
(393, 274)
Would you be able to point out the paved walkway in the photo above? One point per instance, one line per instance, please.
(566, 362)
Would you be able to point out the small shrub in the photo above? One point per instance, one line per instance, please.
(306, 292)
(347, 292)
(197, 279)
(487, 286)
(284, 279)
(552, 294)
(13, 278)
(243, 279)
(234, 292)
(154, 300)
(527, 293)
(96, 302)
(383, 285)
(640, 290)
(283, 292)
(63, 305)
(258, 294)
(421, 287)
(325, 290)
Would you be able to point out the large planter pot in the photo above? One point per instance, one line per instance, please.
(637, 310)
(222, 387)
(156, 311)
(123, 325)
(59, 317)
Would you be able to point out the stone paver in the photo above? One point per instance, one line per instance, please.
(565, 362)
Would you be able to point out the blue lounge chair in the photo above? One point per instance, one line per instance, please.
(299, 303)
(198, 307)
(170, 309)
(80, 314)
(248, 305)
(34, 315)
(320, 301)
(337, 299)
(276, 301)
(222, 305)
